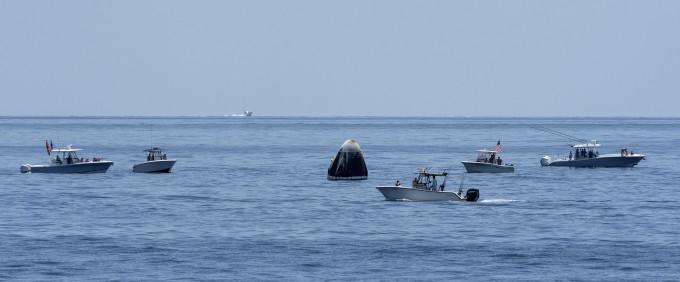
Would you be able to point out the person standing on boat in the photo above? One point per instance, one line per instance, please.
(414, 183)
(434, 183)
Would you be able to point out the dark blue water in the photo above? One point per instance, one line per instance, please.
(249, 199)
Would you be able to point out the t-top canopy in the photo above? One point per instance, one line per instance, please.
(487, 151)
(154, 150)
(66, 150)
(588, 145)
(425, 171)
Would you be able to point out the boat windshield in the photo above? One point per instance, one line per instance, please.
(427, 180)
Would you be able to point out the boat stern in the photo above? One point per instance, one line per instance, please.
(545, 161)
(26, 168)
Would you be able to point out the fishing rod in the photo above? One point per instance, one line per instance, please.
(560, 134)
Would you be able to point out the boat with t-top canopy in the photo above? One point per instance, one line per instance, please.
(156, 161)
(424, 188)
(68, 163)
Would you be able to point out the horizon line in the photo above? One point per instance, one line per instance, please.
(314, 116)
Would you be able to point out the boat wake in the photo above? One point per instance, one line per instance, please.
(494, 201)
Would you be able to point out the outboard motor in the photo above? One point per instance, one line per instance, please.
(25, 168)
(472, 195)
(545, 161)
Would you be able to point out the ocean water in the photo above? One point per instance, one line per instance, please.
(248, 199)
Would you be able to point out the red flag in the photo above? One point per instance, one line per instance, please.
(498, 146)
(48, 148)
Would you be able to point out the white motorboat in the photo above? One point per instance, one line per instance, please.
(68, 163)
(156, 161)
(586, 155)
(245, 113)
(424, 188)
(488, 163)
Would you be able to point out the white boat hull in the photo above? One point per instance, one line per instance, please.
(88, 167)
(154, 166)
(610, 160)
(479, 167)
(400, 193)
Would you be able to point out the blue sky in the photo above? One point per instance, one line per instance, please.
(340, 58)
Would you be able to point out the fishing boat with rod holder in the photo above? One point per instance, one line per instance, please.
(587, 155)
(424, 188)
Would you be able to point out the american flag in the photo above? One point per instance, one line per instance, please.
(498, 146)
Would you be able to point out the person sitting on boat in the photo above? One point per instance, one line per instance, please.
(434, 183)
(165, 157)
(590, 154)
(398, 183)
(631, 152)
(148, 157)
(59, 160)
(499, 161)
(87, 160)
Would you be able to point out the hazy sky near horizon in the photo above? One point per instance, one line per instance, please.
(340, 58)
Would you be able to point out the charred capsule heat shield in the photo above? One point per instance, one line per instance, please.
(348, 164)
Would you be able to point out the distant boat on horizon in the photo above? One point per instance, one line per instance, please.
(245, 113)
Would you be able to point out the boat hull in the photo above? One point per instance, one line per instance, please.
(478, 167)
(159, 166)
(89, 167)
(399, 193)
(614, 160)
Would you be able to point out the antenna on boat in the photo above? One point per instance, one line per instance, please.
(151, 136)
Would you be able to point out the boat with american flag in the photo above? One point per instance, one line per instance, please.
(488, 162)
(68, 163)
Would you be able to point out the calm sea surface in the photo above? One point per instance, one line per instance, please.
(248, 199)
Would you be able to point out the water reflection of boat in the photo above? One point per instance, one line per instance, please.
(424, 188)
(68, 163)
(156, 161)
